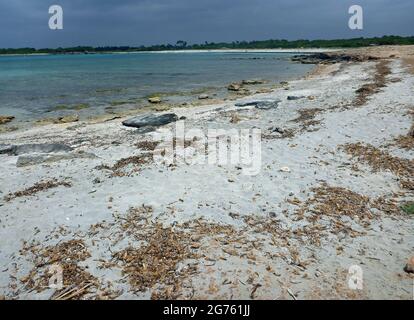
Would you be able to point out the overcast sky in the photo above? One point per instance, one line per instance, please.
(144, 22)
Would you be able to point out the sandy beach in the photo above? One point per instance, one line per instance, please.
(333, 195)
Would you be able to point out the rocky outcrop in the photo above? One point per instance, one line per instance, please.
(6, 119)
(150, 120)
(409, 267)
(252, 82)
(330, 58)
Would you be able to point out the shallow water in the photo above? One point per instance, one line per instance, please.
(34, 86)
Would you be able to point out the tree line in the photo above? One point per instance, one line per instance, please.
(264, 44)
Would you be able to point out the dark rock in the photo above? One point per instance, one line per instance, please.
(329, 58)
(234, 87)
(150, 120)
(6, 119)
(6, 148)
(252, 82)
(264, 105)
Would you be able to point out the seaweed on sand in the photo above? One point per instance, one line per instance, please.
(37, 187)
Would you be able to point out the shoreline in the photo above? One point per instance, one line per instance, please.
(336, 165)
(120, 106)
(304, 51)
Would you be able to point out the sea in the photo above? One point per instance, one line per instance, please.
(38, 86)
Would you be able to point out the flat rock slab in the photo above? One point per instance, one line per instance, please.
(16, 150)
(265, 105)
(31, 160)
(150, 120)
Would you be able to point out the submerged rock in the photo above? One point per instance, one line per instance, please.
(35, 148)
(264, 105)
(150, 120)
(68, 119)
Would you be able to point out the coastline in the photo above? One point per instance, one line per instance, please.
(247, 228)
(304, 51)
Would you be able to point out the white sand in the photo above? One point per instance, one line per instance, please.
(205, 191)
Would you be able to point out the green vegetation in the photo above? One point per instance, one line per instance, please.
(265, 44)
(408, 208)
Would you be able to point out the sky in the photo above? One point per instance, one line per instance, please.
(24, 23)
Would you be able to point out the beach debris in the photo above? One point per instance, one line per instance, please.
(404, 142)
(255, 287)
(137, 162)
(152, 120)
(38, 187)
(292, 294)
(16, 150)
(67, 119)
(203, 96)
(234, 118)
(280, 133)
(409, 267)
(408, 208)
(147, 145)
(306, 115)
(31, 160)
(77, 282)
(6, 119)
(154, 100)
(6, 148)
(157, 261)
(380, 160)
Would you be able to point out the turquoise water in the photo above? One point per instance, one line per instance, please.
(32, 86)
